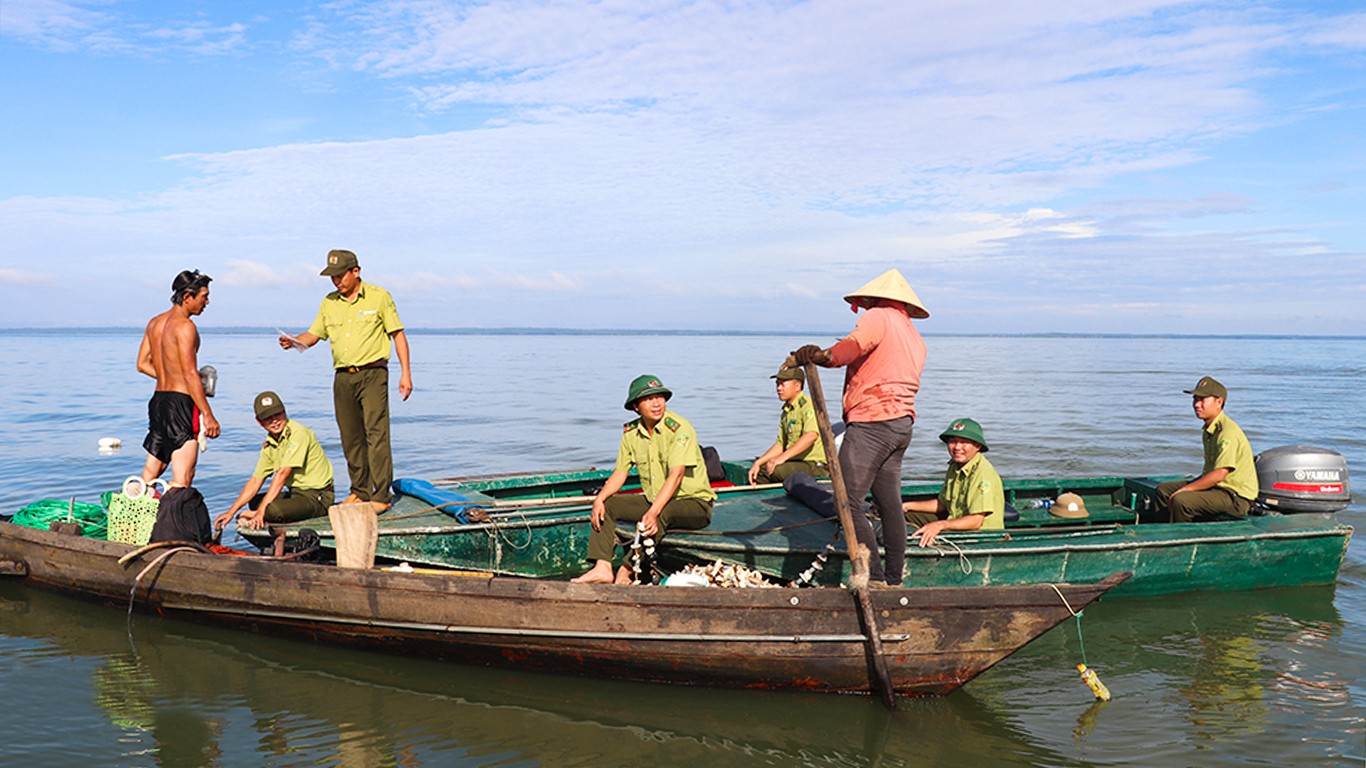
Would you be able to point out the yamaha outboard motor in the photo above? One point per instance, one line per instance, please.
(1302, 478)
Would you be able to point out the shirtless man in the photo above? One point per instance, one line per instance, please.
(168, 354)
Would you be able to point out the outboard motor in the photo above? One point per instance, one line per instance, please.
(1302, 478)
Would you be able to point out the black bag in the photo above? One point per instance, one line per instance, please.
(182, 516)
(715, 471)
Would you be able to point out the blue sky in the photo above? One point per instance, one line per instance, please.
(1130, 166)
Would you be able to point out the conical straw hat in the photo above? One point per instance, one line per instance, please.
(892, 285)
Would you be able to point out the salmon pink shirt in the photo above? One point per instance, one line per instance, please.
(885, 356)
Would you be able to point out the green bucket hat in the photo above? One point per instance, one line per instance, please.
(966, 429)
(645, 385)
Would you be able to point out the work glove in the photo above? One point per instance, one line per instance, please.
(810, 353)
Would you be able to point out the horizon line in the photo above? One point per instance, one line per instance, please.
(558, 331)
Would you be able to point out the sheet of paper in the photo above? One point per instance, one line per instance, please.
(299, 346)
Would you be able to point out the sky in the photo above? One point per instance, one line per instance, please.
(1127, 166)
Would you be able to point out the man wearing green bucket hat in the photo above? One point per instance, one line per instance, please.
(663, 448)
(972, 496)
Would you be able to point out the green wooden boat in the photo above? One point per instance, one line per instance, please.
(1267, 550)
(537, 526)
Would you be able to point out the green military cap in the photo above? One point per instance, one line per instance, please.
(268, 404)
(1208, 386)
(966, 429)
(645, 385)
(790, 373)
(339, 262)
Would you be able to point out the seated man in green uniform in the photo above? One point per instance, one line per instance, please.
(1229, 482)
(292, 453)
(663, 448)
(798, 448)
(972, 496)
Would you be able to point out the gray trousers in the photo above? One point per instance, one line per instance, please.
(870, 460)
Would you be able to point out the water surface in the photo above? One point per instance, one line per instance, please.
(1255, 678)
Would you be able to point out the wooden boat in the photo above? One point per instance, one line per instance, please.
(933, 639)
(537, 526)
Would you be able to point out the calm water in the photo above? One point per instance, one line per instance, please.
(1261, 678)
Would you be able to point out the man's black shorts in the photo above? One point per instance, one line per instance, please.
(172, 421)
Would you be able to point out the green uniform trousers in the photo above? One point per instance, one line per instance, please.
(1200, 506)
(679, 514)
(915, 520)
(787, 468)
(294, 505)
(361, 400)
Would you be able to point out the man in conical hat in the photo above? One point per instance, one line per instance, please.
(883, 358)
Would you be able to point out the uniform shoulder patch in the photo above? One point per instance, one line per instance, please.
(801, 400)
(630, 425)
(671, 424)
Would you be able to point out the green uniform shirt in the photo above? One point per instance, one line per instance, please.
(672, 443)
(359, 330)
(798, 418)
(1226, 447)
(297, 448)
(975, 489)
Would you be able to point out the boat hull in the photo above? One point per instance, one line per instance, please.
(934, 639)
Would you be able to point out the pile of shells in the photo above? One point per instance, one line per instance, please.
(719, 574)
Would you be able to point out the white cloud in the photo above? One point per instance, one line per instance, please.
(242, 273)
(61, 25)
(490, 280)
(662, 154)
(198, 37)
(26, 278)
(112, 27)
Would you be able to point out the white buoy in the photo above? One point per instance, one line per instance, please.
(110, 443)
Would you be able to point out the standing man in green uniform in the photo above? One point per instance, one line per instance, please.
(972, 497)
(292, 453)
(663, 448)
(798, 448)
(361, 322)
(1229, 482)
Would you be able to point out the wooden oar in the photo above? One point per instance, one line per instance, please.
(858, 554)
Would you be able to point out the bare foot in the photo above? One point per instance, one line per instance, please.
(600, 573)
(351, 499)
(624, 575)
(380, 506)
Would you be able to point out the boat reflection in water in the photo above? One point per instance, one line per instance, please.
(194, 695)
(1190, 676)
(1222, 672)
